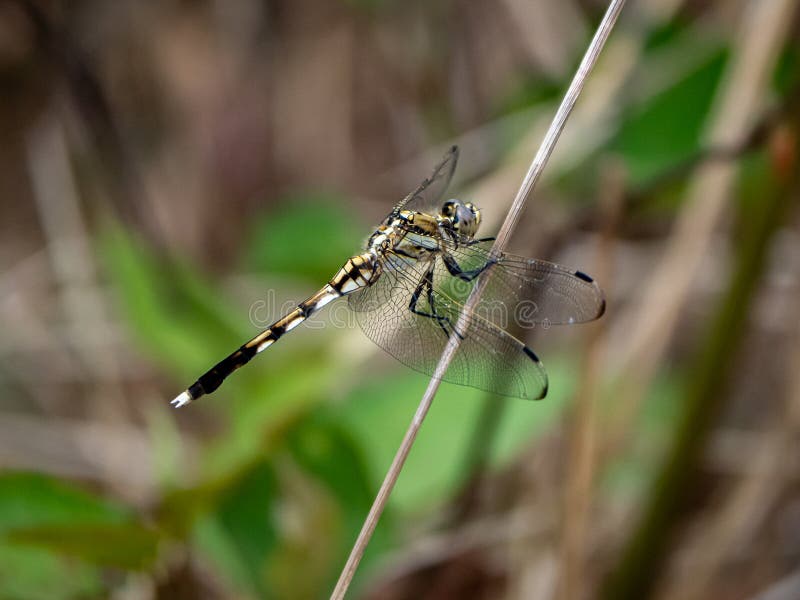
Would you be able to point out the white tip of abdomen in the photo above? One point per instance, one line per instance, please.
(181, 400)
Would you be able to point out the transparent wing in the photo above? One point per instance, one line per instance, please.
(523, 291)
(488, 358)
(427, 197)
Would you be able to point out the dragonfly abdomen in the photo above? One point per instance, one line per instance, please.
(213, 378)
(358, 272)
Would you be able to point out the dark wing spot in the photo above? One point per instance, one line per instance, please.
(544, 391)
(530, 354)
(584, 276)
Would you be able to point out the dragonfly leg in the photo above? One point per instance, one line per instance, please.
(414, 252)
(427, 285)
(456, 271)
(479, 240)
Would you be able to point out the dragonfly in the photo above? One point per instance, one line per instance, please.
(408, 287)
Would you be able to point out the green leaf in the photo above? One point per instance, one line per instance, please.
(29, 499)
(52, 538)
(247, 513)
(284, 524)
(787, 73)
(667, 130)
(332, 457)
(179, 319)
(632, 473)
(379, 411)
(36, 574)
(331, 454)
(126, 546)
(310, 234)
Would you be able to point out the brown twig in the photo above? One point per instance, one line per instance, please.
(512, 217)
(582, 421)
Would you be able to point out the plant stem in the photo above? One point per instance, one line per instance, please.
(528, 183)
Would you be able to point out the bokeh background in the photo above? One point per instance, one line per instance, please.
(172, 173)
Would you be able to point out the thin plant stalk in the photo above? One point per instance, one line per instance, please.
(582, 423)
(503, 236)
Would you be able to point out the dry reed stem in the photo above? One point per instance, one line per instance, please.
(582, 432)
(82, 302)
(82, 318)
(77, 449)
(528, 183)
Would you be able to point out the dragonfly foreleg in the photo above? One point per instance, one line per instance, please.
(456, 271)
(413, 252)
(479, 240)
(426, 285)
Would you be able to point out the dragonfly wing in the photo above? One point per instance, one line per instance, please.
(426, 198)
(487, 358)
(526, 291)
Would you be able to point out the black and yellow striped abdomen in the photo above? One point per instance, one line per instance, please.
(358, 272)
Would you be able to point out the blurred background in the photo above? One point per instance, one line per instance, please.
(173, 173)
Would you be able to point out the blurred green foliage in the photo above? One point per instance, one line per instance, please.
(315, 222)
(55, 538)
(666, 131)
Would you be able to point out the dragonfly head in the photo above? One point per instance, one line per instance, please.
(463, 215)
